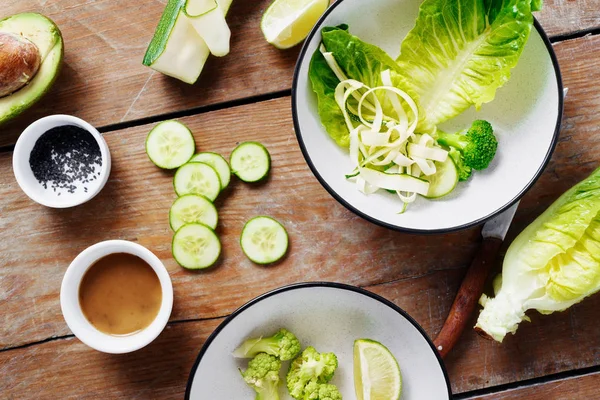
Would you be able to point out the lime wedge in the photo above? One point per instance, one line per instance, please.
(287, 22)
(376, 372)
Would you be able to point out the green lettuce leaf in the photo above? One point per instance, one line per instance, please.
(459, 52)
(358, 60)
(553, 264)
(324, 82)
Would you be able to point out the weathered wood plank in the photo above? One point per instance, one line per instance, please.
(561, 17)
(548, 345)
(327, 241)
(104, 82)
(582, 387)
(135, 202)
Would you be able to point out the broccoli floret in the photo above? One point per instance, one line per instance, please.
(464, 171)
(283, 344)
(321, 391)
(262, 375)
(477, 146)
(310, 366)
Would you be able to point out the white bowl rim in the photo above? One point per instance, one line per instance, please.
(301, 59)
(32, 129)
(321, 284)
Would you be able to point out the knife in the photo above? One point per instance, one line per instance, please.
(493, 232)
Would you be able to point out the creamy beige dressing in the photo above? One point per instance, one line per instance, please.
(120, 294)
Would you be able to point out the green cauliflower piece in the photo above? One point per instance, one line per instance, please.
(477, 146)
(310, 366)
(321, 391)
(283, 344)
(262, 375)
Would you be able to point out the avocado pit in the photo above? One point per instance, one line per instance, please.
(20, 60)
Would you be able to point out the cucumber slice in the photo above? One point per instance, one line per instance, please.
(250, 161)
(218, 163)
(192, 208)
(197, 178)
(444, 180)
(196, 246)
(264, 240)
(177, 49)
(170, 144)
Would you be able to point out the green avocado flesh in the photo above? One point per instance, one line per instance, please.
(46, 36)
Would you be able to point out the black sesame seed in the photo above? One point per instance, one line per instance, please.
(65, 156)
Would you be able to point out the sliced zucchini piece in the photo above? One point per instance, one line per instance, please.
(208, 19)
(250, 161)
(197, 178)
(193, 208)
(170, 144)
(264, 240)
(177, 49)
(218, 163)
(196, 246)
(444, 180)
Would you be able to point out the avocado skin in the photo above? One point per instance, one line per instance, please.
(16, 103)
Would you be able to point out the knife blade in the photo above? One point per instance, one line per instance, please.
(498, 226)
(493, 232)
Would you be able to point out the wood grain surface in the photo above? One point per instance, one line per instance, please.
(419, 273)
(104, 82)
(327, 241)
(582, 387)
(549, 344)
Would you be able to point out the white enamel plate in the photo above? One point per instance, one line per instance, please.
(329, 317)
(526, 116)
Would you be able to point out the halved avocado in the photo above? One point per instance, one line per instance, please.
(44, 33)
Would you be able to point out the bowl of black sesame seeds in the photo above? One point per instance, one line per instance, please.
(61, 161)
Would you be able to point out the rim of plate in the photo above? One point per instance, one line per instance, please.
(304, 285)
(316, 29)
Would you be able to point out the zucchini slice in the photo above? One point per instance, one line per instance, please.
(444, 180)
(250, 161)
(196, 246)
(170, 144)
(208, 19)
(193, 208)
(218, 163)
(177, 49)
(197, 178)
(264, 240)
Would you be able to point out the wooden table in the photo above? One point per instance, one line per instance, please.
(103, 81)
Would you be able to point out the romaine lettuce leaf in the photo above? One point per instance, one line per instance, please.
(553, 264)
(358, 60)
(324, 82)
(459, 52)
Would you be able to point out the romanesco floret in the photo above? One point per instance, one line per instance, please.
(477, 146)
(283, 344)
(310, 366)
(262, 375)
(321, 391)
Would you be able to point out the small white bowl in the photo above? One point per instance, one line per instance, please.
(78, 323)
(30, 185)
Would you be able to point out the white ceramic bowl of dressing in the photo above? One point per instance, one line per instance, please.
(83, 328)
(29, 183)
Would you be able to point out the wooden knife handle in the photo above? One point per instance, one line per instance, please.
(467, 296)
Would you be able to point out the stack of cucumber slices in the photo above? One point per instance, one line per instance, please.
(199, 179)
